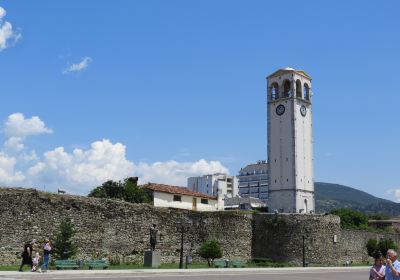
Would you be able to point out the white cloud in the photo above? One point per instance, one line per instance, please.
(395, 193)
(8, 175)
(82, 169)
(32, 156)
(77, 67)
(8, 36)
(2, 12)
(14, 144)
(176, 173)
(18, 127)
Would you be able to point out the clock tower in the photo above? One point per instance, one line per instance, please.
(290, 142)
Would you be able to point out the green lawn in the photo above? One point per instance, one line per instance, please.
(120, 266)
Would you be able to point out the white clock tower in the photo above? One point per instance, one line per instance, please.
(290, 142)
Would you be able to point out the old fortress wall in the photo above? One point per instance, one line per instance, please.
(114, 229)
(120, 231)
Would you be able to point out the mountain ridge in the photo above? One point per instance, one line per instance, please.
(329, 196)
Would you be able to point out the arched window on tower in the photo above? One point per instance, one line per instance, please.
(306, 92)
(274, 91)
(298, 89)
(286, 89)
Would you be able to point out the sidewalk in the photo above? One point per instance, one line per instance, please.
(186, 271)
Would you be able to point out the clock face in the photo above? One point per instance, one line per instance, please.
(303, 110)
(280, 110)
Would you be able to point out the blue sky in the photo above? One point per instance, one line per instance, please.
(169, 89)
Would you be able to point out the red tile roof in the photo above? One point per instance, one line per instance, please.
(176, 190)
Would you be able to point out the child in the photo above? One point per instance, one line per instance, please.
(35, 262)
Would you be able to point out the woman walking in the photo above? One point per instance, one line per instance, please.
(27, 255)
(46, 255)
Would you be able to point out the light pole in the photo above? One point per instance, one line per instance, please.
(304, 251)
(182, 227)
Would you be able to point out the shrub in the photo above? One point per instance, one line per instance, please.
(351, 219)
(385, 244)
(372, 247)
(125, 190)
(375, 248)
(210, 250)
(64, 247)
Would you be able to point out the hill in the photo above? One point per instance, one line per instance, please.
(329, 196)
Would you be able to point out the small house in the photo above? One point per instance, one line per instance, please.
(181, 197)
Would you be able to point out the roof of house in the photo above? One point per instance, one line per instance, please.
(176, 190)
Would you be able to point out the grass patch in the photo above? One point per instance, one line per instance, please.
(113, 267)
(265, 262)
(12, 268)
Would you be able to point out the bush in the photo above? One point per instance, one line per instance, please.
(126, 190)
(375, 248)
(351, 219)
(385, 244)
(64, 247)
(210, 250)
(372, 247)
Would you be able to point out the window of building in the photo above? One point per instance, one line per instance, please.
(204, 201)
(177, 198)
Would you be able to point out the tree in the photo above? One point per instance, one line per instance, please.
(109, 189)
(351, 219)
(210, 250)
(372, 247)
(134, 194)
(385, 244)
(127, 190)
(375, 248)
(64, 247)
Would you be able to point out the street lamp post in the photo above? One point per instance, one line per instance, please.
(182, 227)
(304, 251)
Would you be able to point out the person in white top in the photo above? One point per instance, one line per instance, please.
(46, 255)
(377, 271)
(35, 262)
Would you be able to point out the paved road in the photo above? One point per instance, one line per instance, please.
(226, 274)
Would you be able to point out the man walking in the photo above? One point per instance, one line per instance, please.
(392, 266)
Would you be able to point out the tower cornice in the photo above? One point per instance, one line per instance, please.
(289, 70)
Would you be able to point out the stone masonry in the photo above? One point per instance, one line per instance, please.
(114, 229)
(119, 231)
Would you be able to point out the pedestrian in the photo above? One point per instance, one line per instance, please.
(27, 255)
(377, 271)
(46, 255)
(36, 262)
(392, 271)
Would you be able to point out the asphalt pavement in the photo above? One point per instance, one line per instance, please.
(348, 273)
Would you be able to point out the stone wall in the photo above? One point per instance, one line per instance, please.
(352, 244)
(120, 231)
(280, 237)
(115, 229)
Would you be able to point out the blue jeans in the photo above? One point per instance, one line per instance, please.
(46, 260)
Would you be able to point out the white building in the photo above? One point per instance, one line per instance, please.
(218, 184)
(181, 197)
(290, 142)
(243, 203)
(253, 180)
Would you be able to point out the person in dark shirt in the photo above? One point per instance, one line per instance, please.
(27, 255)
